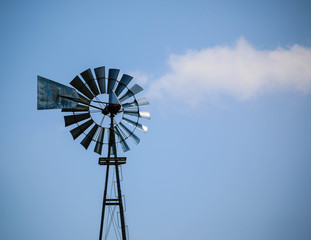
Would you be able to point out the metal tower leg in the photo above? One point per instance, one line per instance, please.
(120, 203)
(104, 203)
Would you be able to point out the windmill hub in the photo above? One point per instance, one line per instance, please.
(101, 114)
(105, 111)
(113, 108)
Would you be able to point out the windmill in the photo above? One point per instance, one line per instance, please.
(101, 114)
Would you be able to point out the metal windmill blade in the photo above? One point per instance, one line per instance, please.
(125, 80)
(90, 81)
(135, 124)
(137, 113)
(88, 138)
(130, 133)
(123, 143)
(78, 108)
(80, 86)
(131, 92)
(139, 102)
(100, 141)
(77, 131)
(75, 118)
(100, 76)
(112, 78)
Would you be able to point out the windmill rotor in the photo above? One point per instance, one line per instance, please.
(92, 101)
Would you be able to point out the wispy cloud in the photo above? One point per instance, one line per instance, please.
(240, 71)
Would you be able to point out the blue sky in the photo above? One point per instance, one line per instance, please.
(227, 155)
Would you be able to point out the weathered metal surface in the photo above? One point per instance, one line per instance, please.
(112, 78)
(100, 73)
(135, 124)
(51, 95)
(125, 80)
(131, 92)
(90, 81)
(78, 84)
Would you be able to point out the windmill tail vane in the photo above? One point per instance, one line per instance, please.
(108, 107)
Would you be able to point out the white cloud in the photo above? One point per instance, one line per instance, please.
(240, 71)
